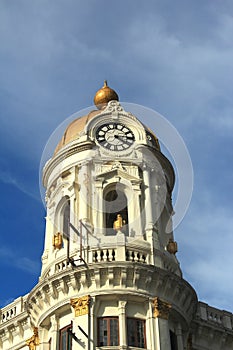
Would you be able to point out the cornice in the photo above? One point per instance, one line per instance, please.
(67, 151)
(15, 320)
(109, 278)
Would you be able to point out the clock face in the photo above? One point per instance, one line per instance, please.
(115, 136)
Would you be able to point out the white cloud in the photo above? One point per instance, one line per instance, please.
(28, 265)
(7, 178)
(205, 238)
(23, 263)
(175, 58)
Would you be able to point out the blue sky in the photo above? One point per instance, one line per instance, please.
(172, 56)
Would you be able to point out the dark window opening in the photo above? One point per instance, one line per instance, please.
(115, 204)
(108, 331)
(66, 220)
(173, 340)
(136, 332)
(65, 338)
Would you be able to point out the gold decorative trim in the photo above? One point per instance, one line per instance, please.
(172, 247)
(161, 308)
(81, 305)
(57, 240)
(34, 340)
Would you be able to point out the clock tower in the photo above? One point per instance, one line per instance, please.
(110, 276)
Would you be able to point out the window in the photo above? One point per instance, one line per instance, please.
(115, 203)
(65, 338)
(136, 332)
(173, 340)
(108, 332)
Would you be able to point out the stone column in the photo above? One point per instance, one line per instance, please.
(44, 338)
(73, 221)
(157, 216)
(136, 217)
(148, 199)
(122, 323)
(151, 331)
(92, 326)
(99, 208)
(149, 213)
(161, 314)
(179, 336)
(55, 331)
(84, 181)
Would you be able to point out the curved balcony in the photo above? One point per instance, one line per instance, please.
(136, 252)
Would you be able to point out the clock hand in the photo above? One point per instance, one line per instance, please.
(124, 137)
(109, 138)
(120, 138)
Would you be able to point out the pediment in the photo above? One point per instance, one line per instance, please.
(118, 173)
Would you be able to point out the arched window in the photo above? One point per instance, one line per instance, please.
(115, 204)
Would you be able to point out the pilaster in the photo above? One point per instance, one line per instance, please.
(98, 207)
(148, 202)
(84, 181)
(54, 319)
(122, 322)
(161, 314)
(179, 336)
(81, 322)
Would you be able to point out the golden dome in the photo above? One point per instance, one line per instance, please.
(104, 95)
(74, 129)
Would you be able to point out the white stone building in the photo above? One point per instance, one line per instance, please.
(110, 278)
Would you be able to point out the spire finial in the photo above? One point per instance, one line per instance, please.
(104, 95)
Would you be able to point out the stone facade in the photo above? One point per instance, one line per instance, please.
(106, 283)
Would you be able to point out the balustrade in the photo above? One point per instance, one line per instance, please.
(211, 314)
(134, 255)
(214, 316)
(62, 265)
(12, 310)
(104, 255)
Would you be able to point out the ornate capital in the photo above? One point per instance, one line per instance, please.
(122, 305)
(34, 340)
(81, 305)
(161, 308)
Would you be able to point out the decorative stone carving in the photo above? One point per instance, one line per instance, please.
(57, 240)
(172, 246)
(81, 305)
(113, 106)
(161, 308)
(34, 340)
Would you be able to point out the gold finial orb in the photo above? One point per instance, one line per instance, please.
(104, 95)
